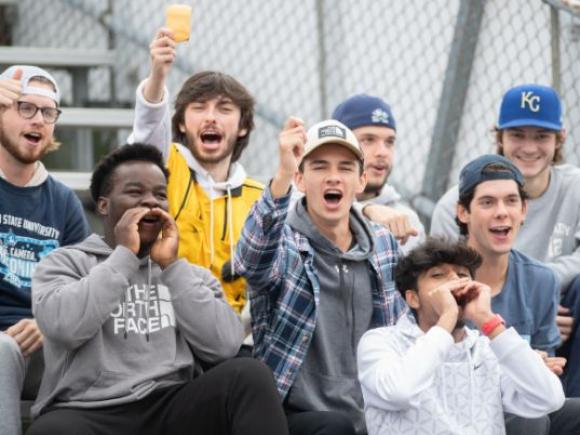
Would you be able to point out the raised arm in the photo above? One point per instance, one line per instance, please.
(260, 251)
(152, 123)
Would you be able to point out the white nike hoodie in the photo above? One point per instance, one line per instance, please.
(418, 383)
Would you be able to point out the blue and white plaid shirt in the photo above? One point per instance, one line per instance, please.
(277, 263)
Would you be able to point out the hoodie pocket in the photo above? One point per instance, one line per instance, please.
(107, 385)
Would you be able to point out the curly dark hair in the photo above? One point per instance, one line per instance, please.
(101, 181)
(433, 252)
(206, 85)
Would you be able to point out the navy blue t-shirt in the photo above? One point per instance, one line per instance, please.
(33, 221)
(529, 301)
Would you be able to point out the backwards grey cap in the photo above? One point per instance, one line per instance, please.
(29, 72)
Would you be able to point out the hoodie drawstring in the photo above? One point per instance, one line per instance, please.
(147, 294)
(211, 229)
(230, 222)
(231, 228)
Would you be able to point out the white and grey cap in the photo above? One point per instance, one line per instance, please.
(334, 132)
(29, 72)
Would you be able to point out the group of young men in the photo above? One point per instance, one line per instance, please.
(139, 331)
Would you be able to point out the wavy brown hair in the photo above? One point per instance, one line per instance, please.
(206, 85)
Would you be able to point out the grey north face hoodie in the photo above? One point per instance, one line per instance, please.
(117, 327)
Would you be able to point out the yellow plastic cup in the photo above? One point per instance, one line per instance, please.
(178, 19)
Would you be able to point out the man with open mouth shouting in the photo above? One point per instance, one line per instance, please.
(37, 215)
(126, 321)
(320, 276)
(491, 209)
(209, 192)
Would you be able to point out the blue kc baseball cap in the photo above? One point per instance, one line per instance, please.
(531, 106)
(361, 110)
(474, 173)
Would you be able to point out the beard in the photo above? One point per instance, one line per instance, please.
(374, 189)
(19, 155)
(211, 159)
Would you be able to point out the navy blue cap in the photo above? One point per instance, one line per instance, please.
(474, 172)
(531, 106)
(361, 110)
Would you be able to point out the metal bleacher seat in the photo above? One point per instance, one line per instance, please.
(96, 117)
(56, 57)
(77, 181)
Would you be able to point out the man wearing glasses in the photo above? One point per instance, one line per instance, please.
(37, 215)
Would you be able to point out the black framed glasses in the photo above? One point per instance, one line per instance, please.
(28, 111)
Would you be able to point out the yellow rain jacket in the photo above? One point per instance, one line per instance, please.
(209, 229)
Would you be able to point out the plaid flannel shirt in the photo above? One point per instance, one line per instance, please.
(277, 263)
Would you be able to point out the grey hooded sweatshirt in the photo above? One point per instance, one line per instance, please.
(328, 378)
(117, 327)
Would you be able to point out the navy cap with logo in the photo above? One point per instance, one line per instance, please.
(475, 173)
(361, 110)
(531, 106)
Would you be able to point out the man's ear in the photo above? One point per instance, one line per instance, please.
(103, 206)
(182, 127)
(412, 298)
(462, 213)
(242, 132)
(362, 183)
(299, 181)
(524, 209)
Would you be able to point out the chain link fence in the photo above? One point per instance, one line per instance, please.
(303, 57)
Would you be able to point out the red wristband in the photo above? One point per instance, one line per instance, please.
(488, 327)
